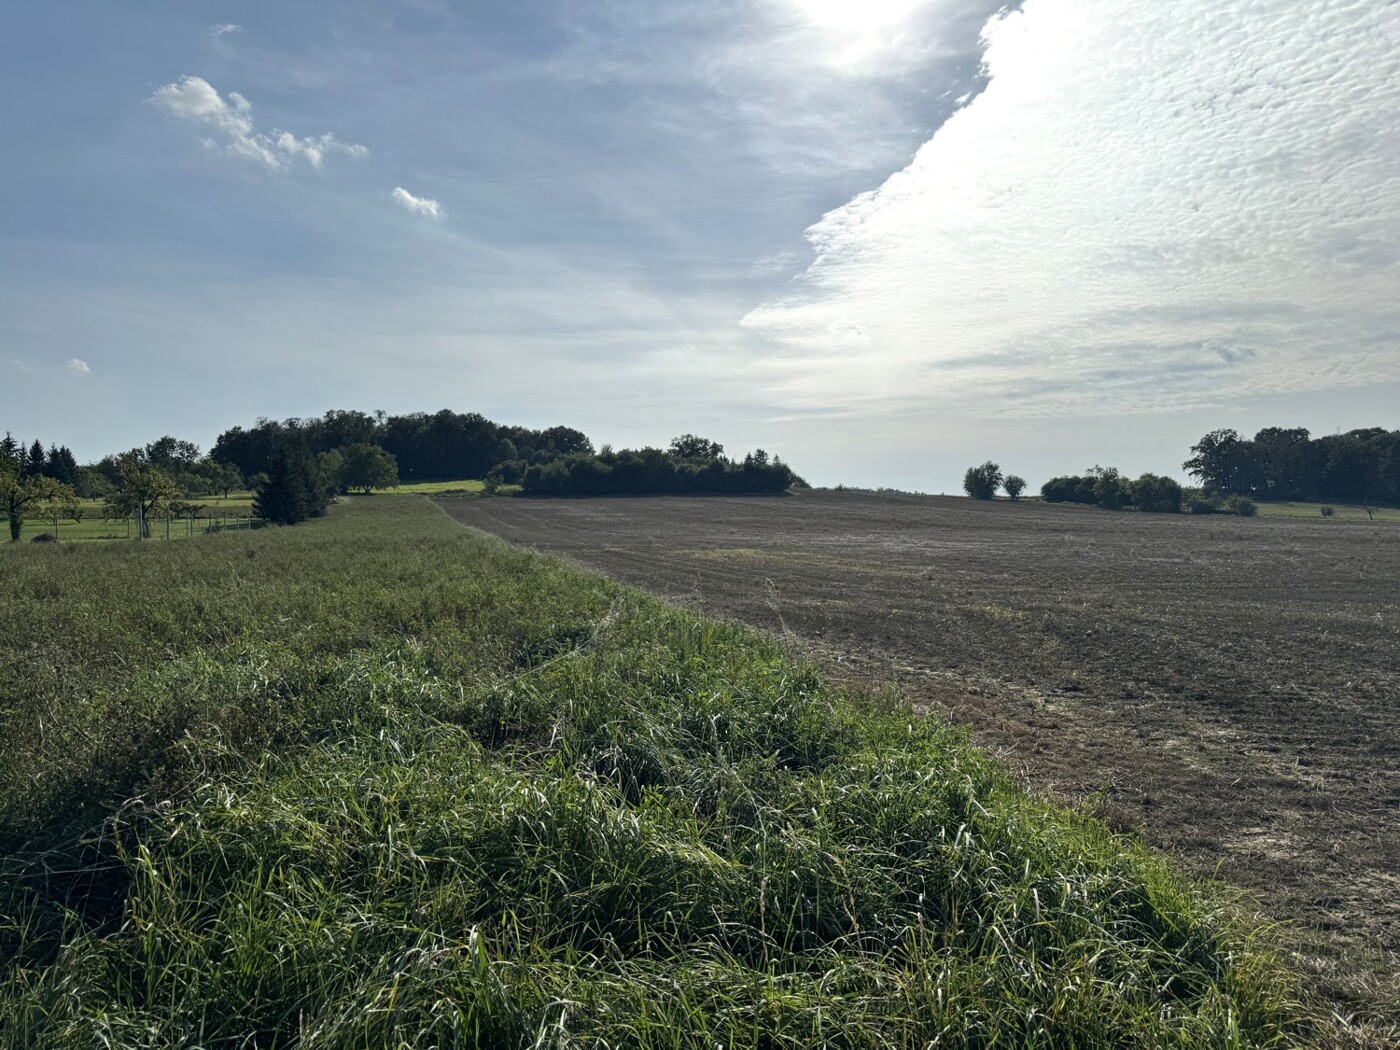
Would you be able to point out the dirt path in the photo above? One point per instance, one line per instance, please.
(1227, 687)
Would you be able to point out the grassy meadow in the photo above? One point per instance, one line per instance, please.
(441, 488)
(218, 512)
(1340, 511)
(379, 780)
(234, 511)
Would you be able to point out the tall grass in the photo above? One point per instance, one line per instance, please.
(380, 781)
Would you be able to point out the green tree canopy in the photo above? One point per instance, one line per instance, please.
(20, 492)
(692, 446)
(144, 491)
(367, 467)
(292, 490)
(982, 482)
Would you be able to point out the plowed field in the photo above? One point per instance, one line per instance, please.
(1226, 687)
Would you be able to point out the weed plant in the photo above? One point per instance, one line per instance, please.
(380, 781)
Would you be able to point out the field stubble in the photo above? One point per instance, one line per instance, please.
(1227, 688)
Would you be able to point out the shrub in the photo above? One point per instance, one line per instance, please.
(1157, 495)
(1111, 489)
(1071, 488)
(1241, 506)
(1198, 501)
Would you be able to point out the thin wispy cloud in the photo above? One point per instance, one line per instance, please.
(1184, 211)
(78, 367)
(417, 205)
(231, 119)
(1152, 206)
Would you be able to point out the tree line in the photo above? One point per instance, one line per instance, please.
(690, 465)
(440, 446)
(1278, 463)
(297, 466)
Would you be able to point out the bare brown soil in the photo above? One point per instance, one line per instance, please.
(1227, 688)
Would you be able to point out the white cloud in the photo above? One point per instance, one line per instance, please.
(78, 367)
(225, 29)
(1151, 205)
(418, 205)
(194, 98)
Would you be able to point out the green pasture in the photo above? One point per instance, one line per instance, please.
(1340, 511)
(212, 513)
(235, 511)
(378, 781)
(438, 488)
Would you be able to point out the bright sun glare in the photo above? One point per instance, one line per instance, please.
(857, 16)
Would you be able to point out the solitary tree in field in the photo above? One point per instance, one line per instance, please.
(1014, 485)
(982, 482)
(145, 491)
(368, 467)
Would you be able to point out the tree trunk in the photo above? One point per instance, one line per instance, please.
(16, 524)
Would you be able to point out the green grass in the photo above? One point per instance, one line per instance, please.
(438, 488)
(382, 781)
(217, 511)
(1340, 511)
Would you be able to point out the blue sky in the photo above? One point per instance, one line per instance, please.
(885, 239)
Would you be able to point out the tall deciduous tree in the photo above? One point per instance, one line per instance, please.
(982, 482)
(1221, 462)
(367, 467)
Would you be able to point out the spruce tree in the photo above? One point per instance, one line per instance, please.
(34, 461)
(292, 491)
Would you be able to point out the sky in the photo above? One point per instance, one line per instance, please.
(885, 239)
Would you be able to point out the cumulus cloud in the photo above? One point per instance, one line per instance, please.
(231, 118)
(417, 205)
(225, 29)
(1150, 206)
(78, 367)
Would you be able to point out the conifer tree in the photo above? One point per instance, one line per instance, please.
(34, 461)
(292, 490)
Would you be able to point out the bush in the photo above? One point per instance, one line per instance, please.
(1198, 501)
(1242, 506)
(1111, 489)
(1157, 495)
(1069, 489)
